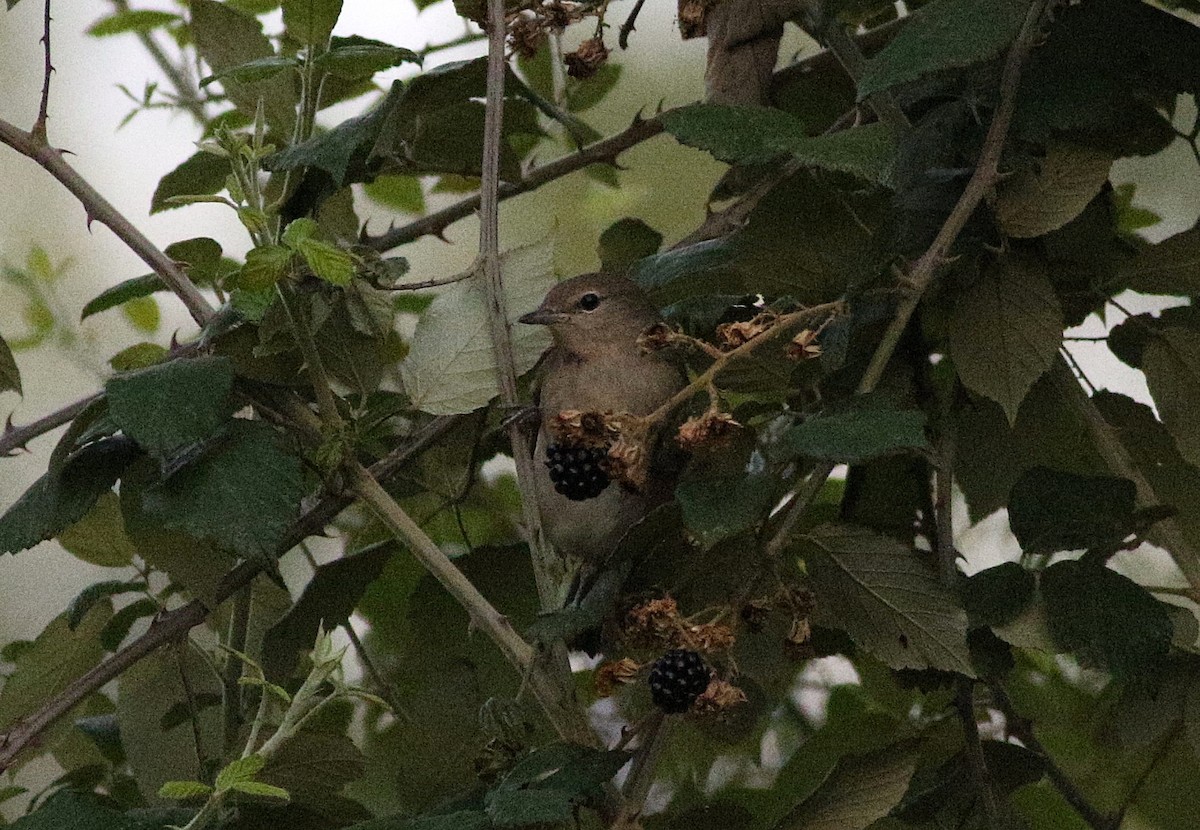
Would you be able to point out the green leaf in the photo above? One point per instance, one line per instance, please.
(10, 375)
(202, 174)
(995, 596)
(450, 367)
(143, 314)
(243, 496)
(519, 808)
(95, 592)
(264, 267)
(357, 57)
(626, 241)
(329, 599)
(856, 434)
(240, 770)
(401, 193)
(314, 767)
(756, 135)
(1106, 619)
(887, 598)
(310, 22)
(718, 507)
(662, 275)
(456, 820)
(860, 791)
(259, 69)
(131, 20)
(121, 293)
(1043, 198)
(138, 356)
(1171, 362)
(69, 808)
(1051, 511)
(1005, 331)
(327, 261)
(579, 772)
(56, 657)
(64, 495)
(260, 789)
(169, 406)
(226, 38)
(122, 622)
(1170, 267)
(943, 35)
(183, 790)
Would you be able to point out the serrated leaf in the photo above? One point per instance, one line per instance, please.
(240, 769)
(943, 35)
(1169, 267)
(450, 367)
(755, 135)
(860, 791)
(52, 661)
(1052, 511)
(64, 495)
(131, 20)
(359, 57)
(855, 435)
(624, 242)
(314, 767)
(10, 375)
(1005, 331)
(202, 174)
(226, 38)
(995, 596)
(1171, 362)
(182, 790)
(518, 808)
(327, 261)
(1052, 193)
(721, 506)
(1107, 620)
(260, 789)
(89, 596)
(171, 405)
(329, 599)
(658, 275)
(243, 496)
(264, 267)
(259, 69)
(887, 598)
(309, 22)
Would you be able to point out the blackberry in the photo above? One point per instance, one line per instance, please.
(677, 679)
(577, 472)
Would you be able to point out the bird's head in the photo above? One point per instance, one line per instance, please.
(593, 311)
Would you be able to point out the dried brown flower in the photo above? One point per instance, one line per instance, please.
(693, 16)
(586, 61)
(804, 346)
(707, 637)
(655, 622)
(705, 430)
(610, 676)
(755, 614)
(738, 333)
(656, 338)
(584, 429)
(720, 696)
(526, 36)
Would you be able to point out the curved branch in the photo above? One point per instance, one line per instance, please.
(100, 209)
(15, 438)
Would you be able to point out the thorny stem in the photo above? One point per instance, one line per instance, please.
(641, 775)
(100, 209)
(923, 271)
(14, 438)
(39, 126)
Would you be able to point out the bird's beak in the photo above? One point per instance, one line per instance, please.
(542, 317)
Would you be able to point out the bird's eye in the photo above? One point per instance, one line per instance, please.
(589, 301)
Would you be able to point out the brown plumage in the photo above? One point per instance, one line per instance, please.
(595, 365)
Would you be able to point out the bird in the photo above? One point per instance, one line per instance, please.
(596, 365)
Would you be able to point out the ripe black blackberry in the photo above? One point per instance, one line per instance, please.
(577, 472)
(677, 679)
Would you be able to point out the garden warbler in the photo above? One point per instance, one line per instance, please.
(595, 365)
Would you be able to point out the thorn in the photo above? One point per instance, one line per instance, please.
(174, 340)
(440, 233)
(659, 110)
(637, 117)
(363, 237)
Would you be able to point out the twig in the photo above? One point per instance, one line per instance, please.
(331, 419)
(386, 690)
(239, 623)
(185, 92)
(548, 568)
(923, 272)
(39, 126)
(434, 282)
(602, 152)
(567, 720)
(1160, 752)
(100, 209)
(627, 28)
(173, 625)
(641, 774)
(964, 702)
(15, 438)
(1023, 729)
(1166, 533)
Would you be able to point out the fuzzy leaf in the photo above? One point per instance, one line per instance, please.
(201, 174)
(860, 791)
(450, 367)
(171, 405)
(121, 293)
(1044, 198)
(1170, 267)
(359, 57)
(945, 34)
(1005, 331)
(1171, 362)
(309, 22)
(183, 790)
(854, 435)
(887, 598)
(240, 769)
